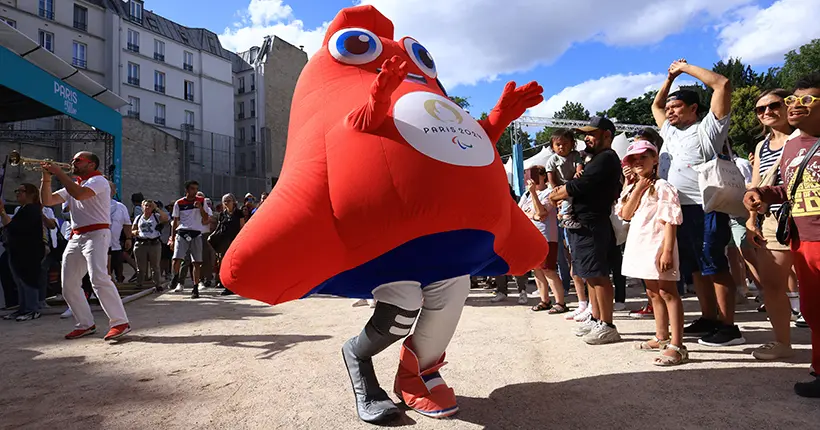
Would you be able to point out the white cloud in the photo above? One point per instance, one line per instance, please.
(762, 36)
(480, 41)
(599, 94)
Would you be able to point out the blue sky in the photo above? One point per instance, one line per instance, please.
(585, 50)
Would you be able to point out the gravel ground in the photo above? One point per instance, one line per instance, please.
(233, 363)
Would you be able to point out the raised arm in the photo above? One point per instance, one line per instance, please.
(659, 105)
(722, 97)
(372, 114)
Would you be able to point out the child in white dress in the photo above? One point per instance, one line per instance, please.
(653, 210)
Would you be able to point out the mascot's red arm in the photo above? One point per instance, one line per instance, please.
(512, 104)
(371, 115)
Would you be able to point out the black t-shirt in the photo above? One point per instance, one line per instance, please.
(594, 193)
(231, 222)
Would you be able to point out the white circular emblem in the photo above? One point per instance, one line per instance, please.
(439, 129)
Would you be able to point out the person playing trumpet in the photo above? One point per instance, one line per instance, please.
(87, 249)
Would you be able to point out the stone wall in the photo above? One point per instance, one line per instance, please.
(151, 163)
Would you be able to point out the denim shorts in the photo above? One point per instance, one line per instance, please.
(702, 241)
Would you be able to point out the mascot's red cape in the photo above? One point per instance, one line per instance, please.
(385, 179)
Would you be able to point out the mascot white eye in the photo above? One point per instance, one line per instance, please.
(354, 46)
(421, 56)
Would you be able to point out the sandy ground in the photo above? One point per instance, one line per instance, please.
(233, 363)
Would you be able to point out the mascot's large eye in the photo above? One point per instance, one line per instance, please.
(421, 56)
(354, 46)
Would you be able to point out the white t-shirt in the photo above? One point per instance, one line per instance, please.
(548, 227)
(684, 148)
(147, 227)
(96, 210)
(119, 219)
(190, 218)
(50, 215)
(745, 168)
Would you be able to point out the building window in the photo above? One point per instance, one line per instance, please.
(241, 85)
(241, 110)
(80, 18)
(159, 50)
(241, 135)
(133, 40)
(47, 40)
(188, 61)
(134, 74)
(159, 82)
(79, 55)
(253, 108)
(136, 11)
(253, 133)
(253, 82)
(10, 22)
(189, 119)
(47, 9)
(159, 117)
(189, 91)
(134, 107)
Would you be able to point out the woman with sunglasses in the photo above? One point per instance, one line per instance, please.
(774, 260)
(27, 245)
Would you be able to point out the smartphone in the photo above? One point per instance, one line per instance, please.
(201, 200)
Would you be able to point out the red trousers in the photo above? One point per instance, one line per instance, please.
(807, 266)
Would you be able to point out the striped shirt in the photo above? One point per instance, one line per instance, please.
(767, 160)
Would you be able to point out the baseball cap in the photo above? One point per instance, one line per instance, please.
(638, 147)
(598, 123)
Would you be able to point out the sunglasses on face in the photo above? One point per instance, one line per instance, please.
(773, 106)
(806, 100)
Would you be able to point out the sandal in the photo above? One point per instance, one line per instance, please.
(558, 308)
(541, 306)
(681, 357)
(646, 346)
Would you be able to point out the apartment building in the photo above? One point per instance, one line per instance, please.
(264, 80)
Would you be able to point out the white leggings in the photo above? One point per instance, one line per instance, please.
(441, 304)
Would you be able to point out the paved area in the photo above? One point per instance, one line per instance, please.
(233, 363)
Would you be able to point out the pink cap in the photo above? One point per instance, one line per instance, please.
(638, 147)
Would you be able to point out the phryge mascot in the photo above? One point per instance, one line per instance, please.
(389, 190)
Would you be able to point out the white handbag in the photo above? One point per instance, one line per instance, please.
(722, 187)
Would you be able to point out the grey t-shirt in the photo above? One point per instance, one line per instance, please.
(564, 167)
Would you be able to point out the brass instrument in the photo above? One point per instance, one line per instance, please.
(33, 164)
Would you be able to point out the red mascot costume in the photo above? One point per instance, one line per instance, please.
(390, 191)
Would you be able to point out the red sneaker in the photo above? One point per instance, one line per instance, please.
(423, 391)
(81, 332)
(118, 331)
(645, 312)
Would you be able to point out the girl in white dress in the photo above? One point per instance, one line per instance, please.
(653, 210)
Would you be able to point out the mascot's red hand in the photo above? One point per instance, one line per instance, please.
(512, 104)
(370, 116)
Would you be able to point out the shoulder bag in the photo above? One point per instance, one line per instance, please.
(784, 214)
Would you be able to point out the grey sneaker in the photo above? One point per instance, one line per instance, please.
(602, 334)
(773, 351)
(499, 297)
(586, 327)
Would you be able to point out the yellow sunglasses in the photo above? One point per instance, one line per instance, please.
(806, 100)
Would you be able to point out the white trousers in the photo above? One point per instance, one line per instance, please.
(441, 304)
(88, 253)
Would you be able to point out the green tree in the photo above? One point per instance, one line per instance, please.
(572, 110)
(739, 74)
(744, 128)
(462, 102)
(800, 63)
(635, 111)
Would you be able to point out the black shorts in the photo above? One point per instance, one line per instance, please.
(591, 247)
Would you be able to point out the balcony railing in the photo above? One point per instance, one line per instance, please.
(241, 115)
(159, 57)
(159, 120)
(241, 90)
(80, 25)
(134, 114)
(47, 14)
(134, 47)
(187, 127)
(188, 67)
(79, 62)
(189, 97)
(137, 19)
(159, 88)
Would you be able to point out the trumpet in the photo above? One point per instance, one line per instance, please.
(33, 164)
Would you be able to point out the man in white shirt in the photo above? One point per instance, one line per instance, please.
(189, 214)
(703, 237)
(87, 251)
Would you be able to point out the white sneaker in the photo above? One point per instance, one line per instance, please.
(602, 334)
(360, 302)
(66, 314)
(583, 316)
(523, 298)
(499, 297)
(576, 312)
(586, 327)
(178, 289)
(619, 307)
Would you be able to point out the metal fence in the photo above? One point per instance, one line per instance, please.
(222, 164)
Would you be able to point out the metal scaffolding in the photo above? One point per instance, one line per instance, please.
(534, 121)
